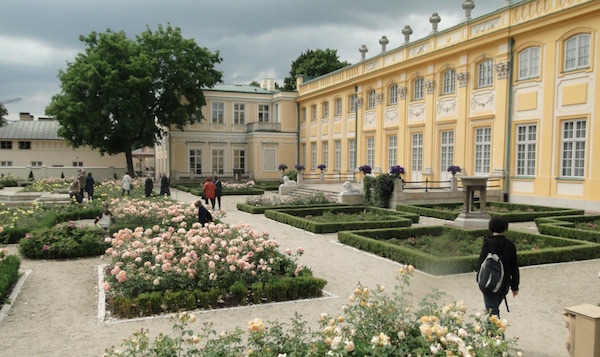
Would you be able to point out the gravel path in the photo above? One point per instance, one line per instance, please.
(56, 312)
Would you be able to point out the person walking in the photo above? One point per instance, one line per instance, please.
(81, 178)
(218, 191)
(507, 252)
(209, 190)
(89, 186)
(126, 184)
(164, 185)
(204, 215)
(148, 185)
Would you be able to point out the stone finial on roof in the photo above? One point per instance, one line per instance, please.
(468, 5)
(434, 19)
(383, 42)
(363, 51)
(407, 31)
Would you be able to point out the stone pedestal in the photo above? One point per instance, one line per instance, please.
(287, 189)
(583, 323)
(470, 218)
(355, 199)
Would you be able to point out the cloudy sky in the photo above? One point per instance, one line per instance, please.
(256, 38)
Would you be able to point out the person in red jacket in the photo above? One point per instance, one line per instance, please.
(210, 189)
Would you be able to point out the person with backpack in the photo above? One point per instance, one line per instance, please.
(497, 267)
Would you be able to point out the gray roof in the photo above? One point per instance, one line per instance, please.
(238, 88)
(30, 130)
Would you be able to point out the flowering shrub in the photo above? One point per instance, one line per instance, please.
(372, 324)
(299, 167)
(63, 241)
(454, 169)
(321, 167)
(313, 198)
(282, 167)
(233, 186)
(9, 272)
(397, 170)
(365, 169)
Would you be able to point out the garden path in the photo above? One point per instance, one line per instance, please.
(56, 311)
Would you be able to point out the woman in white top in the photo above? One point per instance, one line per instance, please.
(105, 218)
(126, 184)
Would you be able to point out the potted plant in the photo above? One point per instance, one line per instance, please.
(365, 169)
(282, 167)
(299, 167)
(454, 169)
(397, 171)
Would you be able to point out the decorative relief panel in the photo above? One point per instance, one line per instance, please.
(502, 70)
(485, 26)
(481, 102)
(430, 85)
(370, 120)
(402, 92)
(418, 49)
(416, 112)
(462, 78)
(446, 108)
(391, 117)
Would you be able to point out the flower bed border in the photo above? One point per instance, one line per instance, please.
(543, 211)
(564, 226)
(261, 209)
(241, 192)
(290, 216)
(375, 241)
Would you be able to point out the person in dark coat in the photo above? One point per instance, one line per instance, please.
(218, 191)
(507, 252)
(164, 185)
(148, 185)
(204, 215)
(89, 186)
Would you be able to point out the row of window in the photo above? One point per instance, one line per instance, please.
(239, 113)
(217, 161)
(40, 164)
(576, 57)
(8, 145)
(573, 139)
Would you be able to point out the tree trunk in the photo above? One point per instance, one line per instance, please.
(129, 159)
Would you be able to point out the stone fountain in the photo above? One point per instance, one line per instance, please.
(470, 217)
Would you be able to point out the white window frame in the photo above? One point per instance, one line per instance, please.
(338, 154)
(417, 152)
(313, 156)
(573, 136)
(217, 161)
(263, 113)
(352, 154)
(529, 63)
(393, 94)
(77, 164)
(36, 164)
(371, 151)
(371, 103)
(577, 52)
(303, 114)
(338, 107)
(239, 113)
(449, 82)
(218, 112)
(239, 159)
(5, 163)
(419, 88)
(352, 103)
(195, 167)
(326, 110)
(485, 73)
(313, 112)
(392, 151)
(446, 150)
(525, 153)
(325, 150)
(6, 145)
(483, 150)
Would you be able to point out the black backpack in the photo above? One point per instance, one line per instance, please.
(491, 275)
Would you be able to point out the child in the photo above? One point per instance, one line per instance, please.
(105, 218)
(204, 215)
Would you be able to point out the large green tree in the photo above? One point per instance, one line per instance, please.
(313, 64)
(122, 94)
(3, 114)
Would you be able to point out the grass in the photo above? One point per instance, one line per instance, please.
(589, 226)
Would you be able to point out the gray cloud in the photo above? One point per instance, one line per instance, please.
(256, 38)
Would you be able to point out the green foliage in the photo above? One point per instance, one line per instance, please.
(312, 64)
(373, 323)
(63, 242)
(9, 181)
(9, 273)
(120, 93)
(292, 175)
(582, 227)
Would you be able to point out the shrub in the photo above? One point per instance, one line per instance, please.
(373, 323)
(9, 273)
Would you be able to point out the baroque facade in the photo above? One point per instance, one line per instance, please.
(510, 95)
(246, 129)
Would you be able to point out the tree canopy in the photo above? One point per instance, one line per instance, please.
(122, 94)
(313, 64)
(3, 114)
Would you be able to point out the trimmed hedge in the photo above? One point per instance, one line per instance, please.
(294, 217)
(197, 191)
(14, 235)
(277, 289)
(376, 242)
(9, 275)
(261, 209)
(516, 212)
(564, 226)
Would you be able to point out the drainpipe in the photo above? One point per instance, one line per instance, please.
(511, 43)
(298, 134)
(355, 127)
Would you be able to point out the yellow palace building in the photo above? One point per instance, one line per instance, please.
(510, 95)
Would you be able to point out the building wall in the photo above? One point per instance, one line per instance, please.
(265, 142)
(484, 119)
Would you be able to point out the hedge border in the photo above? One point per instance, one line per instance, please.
(243, 192)
(290, 216)
(9, 275)
(541, 211)
(261, 209)
(564, 226)
(375, 241)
